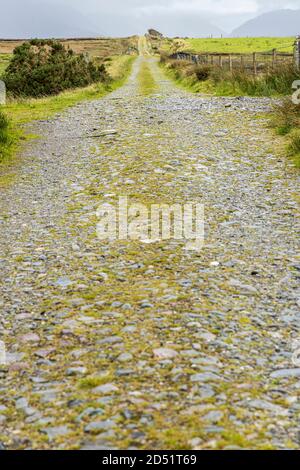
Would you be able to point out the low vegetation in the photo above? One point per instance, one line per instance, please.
(95, 47)
(4, 62)
(214, 79)
(287, 122)
(7, 137)
(146, 80)
(3, 129)
(45, 67)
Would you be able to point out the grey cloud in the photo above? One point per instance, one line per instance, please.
(125, 17)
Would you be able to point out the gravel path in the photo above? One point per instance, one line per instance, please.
(131, 345)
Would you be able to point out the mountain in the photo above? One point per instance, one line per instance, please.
(31, 19)
(274, 23)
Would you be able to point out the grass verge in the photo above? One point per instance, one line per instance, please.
(219, 82)
(146, 81)
(286, 121)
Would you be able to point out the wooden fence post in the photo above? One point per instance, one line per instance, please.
(254, 64)
(220, 61)
(274, 58)
(297, 52)
(242, 62)
(230, 62)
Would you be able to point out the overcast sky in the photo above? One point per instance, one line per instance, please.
(227, 14)
(125, 17)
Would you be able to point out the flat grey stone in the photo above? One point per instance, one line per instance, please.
(205, 377)
(105, 389)
(99, 426)
(56, 431)
(285, 373)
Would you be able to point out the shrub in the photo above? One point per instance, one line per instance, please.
(46, 67)
(287, 122)
(294, 147)
(202, 72)
(6, 139)
(287, 116)
(163, 58)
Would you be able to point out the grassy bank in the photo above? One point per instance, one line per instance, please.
(217, 81)
(6, 136)
(286, 121)
(22, 111)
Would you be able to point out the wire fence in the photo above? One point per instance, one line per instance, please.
(256, 62)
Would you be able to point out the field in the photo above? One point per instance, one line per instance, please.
(100, 47)
(97, 48)
(229, 45)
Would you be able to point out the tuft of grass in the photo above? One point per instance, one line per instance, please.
(146, 80)
(294, 147)
(93, 381)
(4, 123)
(286, 116)
(286, 121)
(8, 137)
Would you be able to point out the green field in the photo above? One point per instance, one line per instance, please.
(236, 45)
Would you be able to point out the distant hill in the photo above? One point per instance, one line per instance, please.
(44, 20)
(274, 23)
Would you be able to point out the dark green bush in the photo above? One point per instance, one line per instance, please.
(46, 67)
